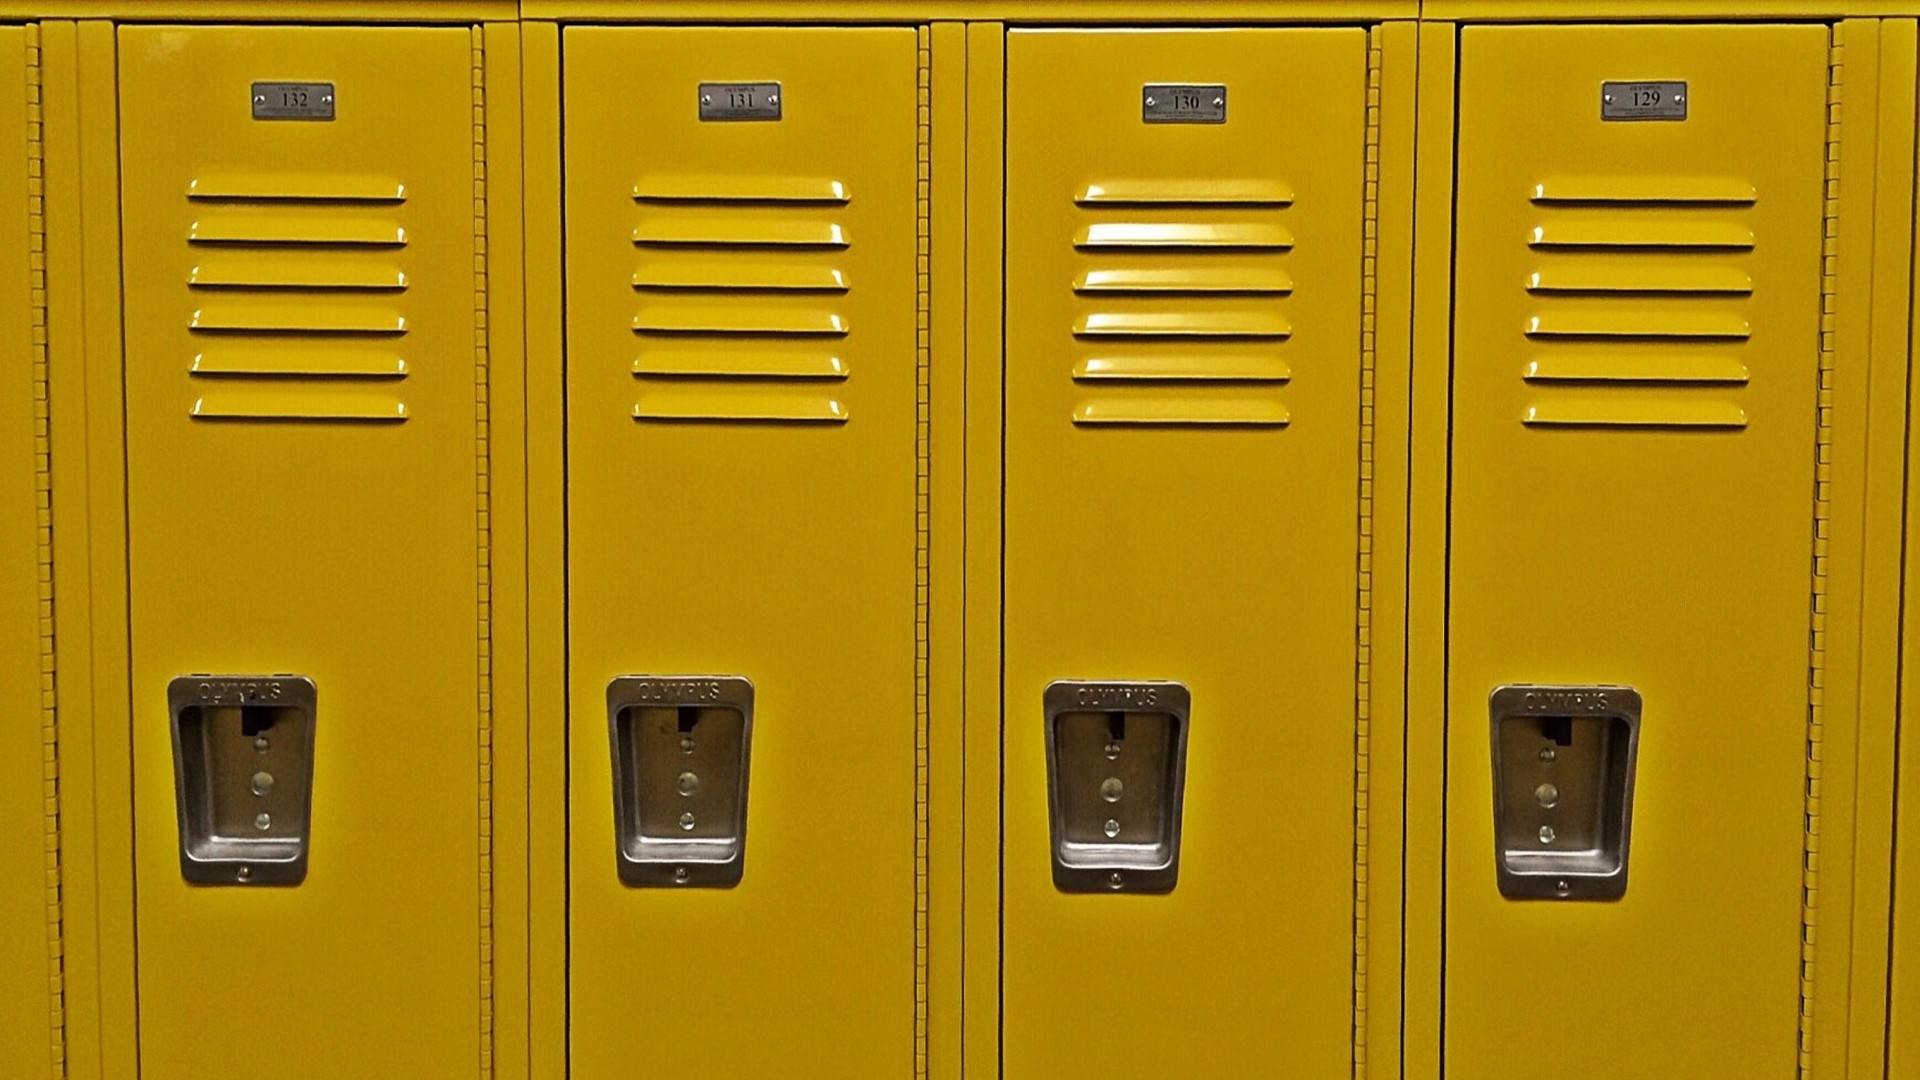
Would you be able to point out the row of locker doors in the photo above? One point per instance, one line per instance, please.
(1188, 430)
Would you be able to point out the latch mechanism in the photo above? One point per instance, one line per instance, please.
(243, 776)
(680, 752)
(1563, 760)
(1116, 769)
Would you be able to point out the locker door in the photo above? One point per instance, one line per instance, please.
(1635, 391)
(1183, 374)
(25, 611)
(741, 291)
(306, 489)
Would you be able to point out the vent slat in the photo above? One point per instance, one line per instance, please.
(272, 363)
(1639, 277)
(300, 187)
(748, 189)
(744, 277)
(1183, 235)
(297, 318)
(298, 403)
(753, 321)
(1198, 279)
(1640, 410)
(689, 231)
(1655, 324)
(1637, 368)
(1165, 368)
(1646, 190)
(697, 402)
(1183, 324)
(1185, 192)
(1149, 411)
(214, 228)
(739, 365)
(222, 270)
(1622, 231)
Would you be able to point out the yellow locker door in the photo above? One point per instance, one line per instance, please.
(741, 289)
(306, 490)
(1635, 379)
(26, 750)
(1185, 214)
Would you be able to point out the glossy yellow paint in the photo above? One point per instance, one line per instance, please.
(1664, 540)
(326, 517)
(31, 1039)
(1210, 535)
(742, 477)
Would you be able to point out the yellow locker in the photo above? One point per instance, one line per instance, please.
(1636, 416)
(741, 435)
(1182, 467)
(29, 1006)
(307, 516)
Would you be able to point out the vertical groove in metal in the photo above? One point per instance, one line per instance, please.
(1817, 617)
(923, 536)
(483, 530)
(43, 498)
(1363, 642)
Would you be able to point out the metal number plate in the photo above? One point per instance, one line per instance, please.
(293, 101)
(1643, 101)
(1183, 103)
(739, 101)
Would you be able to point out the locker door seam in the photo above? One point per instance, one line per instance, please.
(1363, 578)
(1446, 562)
(922, 542)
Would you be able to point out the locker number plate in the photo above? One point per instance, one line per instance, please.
(293, 101)
(740, 101)
(1183, 103)
(1643, 101)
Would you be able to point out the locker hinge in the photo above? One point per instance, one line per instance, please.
(1363, 634)
(43, 496)
(1817, 608)
(483, 542)
(922, 544)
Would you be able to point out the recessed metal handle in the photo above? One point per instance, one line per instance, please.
(243, 776)
(1116, 771)
(1563, 763)
(680, 753)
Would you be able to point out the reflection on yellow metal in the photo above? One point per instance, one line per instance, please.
(742, 376)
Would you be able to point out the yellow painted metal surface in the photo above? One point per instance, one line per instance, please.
(1182, 474)
(741, 438)
(1633, 503)
(29, 1007)
(306, 494)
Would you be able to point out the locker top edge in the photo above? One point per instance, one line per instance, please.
(240, 11)
(1075, 12)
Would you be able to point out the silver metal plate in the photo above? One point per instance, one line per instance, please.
(681, 746)
(243, 776)
(1183, 103)
(1563, 765)
(1643, 101)
(1116, 774)
(293, 101)
(740, 101)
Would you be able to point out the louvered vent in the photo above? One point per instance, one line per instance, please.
(1640, 294)
(298, 290)
(742, 293)
(1179, 313)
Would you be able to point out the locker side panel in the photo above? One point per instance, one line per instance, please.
(306, 495)
(28, 854)
(741, 391)
(1635, 376)
(1182, 462)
